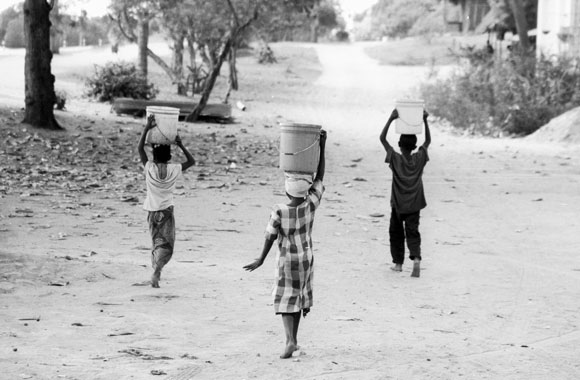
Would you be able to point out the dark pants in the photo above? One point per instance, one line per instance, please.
(404, 226)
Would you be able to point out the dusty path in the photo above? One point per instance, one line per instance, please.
(498, 297)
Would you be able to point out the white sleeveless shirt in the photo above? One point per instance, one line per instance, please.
(160, 191)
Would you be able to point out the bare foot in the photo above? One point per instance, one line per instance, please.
(288, 351)
(416, 269)
(155, 279)
(397, 268)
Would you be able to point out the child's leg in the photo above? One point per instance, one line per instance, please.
(290, 321)
(295, 328)
(397, 240)
(162, 228)
(414, 241)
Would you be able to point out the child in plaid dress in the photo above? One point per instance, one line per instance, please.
(292, 225)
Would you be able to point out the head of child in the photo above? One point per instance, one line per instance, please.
(407, 143)
(161, 153)
(297, 186)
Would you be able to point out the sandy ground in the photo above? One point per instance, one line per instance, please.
(497, 298)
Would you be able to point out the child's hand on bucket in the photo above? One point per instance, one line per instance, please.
(151, 123)
(425, 114)
(394, 114)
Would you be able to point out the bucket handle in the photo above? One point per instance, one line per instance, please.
(305, 149)
(160, 131)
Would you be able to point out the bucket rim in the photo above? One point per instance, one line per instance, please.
(300, 125)
(410, 101)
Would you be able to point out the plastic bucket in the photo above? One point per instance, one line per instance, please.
(410, 121)
(299, 147)
(167, 119)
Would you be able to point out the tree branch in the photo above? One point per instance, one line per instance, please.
(130, 37)
(161, 63)
(250, 20)
(234, 13)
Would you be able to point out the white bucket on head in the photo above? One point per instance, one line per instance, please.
(299, 147)
(167, 119)
(410, 121)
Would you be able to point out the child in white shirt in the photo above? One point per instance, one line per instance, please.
(160, 178)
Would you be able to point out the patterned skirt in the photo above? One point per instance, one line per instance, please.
(162, 229)
(294, 275)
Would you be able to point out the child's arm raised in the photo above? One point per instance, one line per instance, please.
(190, 160)
(258, 262)
(383, 137)
(141, 147)
(322, 160)
(427, 131)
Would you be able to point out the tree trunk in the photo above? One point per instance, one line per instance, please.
(232, 58)
(210, 82)
(39, 96)
(314, 29)
(464, 17)
(178, 78)
(142, 43)
(521, 24)
(55, 34)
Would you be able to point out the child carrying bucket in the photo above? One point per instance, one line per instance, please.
(291, 224)
(407, 194)
(160, 178)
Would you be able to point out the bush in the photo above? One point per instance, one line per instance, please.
(266, 55)
(489, 95)
(60, 99)
(14, 37)
(119, 80)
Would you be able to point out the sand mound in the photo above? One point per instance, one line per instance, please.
(564, 128)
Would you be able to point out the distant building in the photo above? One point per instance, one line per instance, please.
(558, 31)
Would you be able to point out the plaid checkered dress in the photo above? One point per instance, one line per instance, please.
(294, 260)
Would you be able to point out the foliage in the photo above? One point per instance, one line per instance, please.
(119, 80)
(292, 20)
(430, 23)
(266, 55)
(342, 35)
(490, 95)
(6, 16)
(396, 18)
(504, 15)
(60, 99)
(93, 30)
(14, 37)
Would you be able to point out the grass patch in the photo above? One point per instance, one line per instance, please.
(421, 51)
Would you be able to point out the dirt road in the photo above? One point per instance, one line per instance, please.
(497, 298)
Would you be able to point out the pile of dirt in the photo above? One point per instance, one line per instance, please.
(563, 129)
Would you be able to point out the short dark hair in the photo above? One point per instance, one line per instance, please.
(161, 153)
(408, 142)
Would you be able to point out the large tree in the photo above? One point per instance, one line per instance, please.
(133, 18)
(39, 95)
(217, 36)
